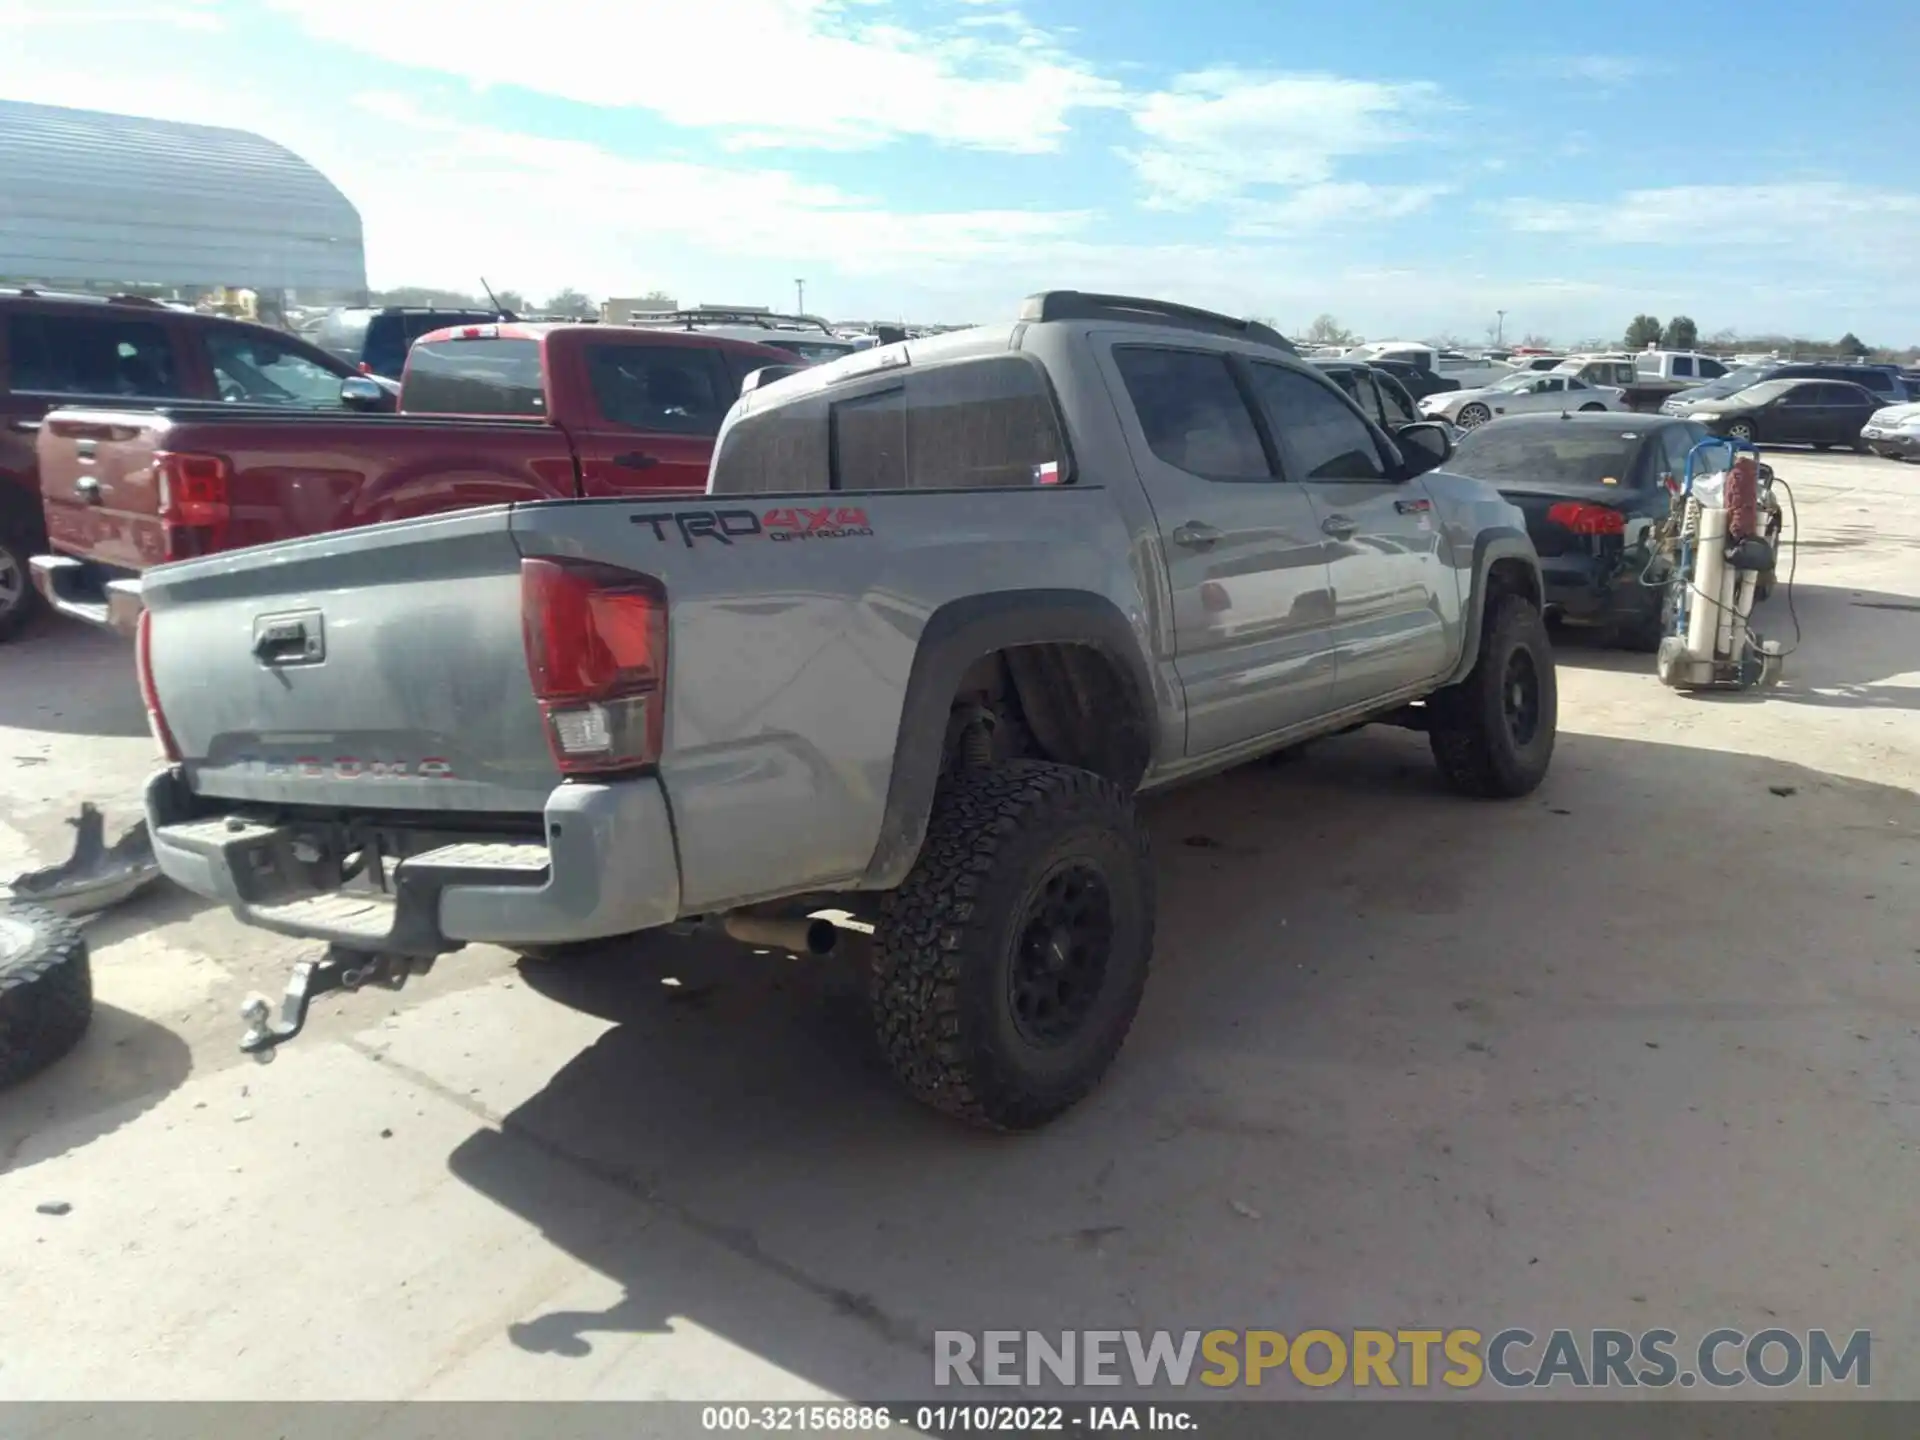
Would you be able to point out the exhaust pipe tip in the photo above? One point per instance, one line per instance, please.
(804, 935)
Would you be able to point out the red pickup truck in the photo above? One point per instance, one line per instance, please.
(488, 413)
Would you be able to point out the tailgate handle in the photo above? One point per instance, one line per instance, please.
(87, 487)
(289, 639)
(1413, 507)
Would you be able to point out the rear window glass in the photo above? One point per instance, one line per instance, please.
(1542, 454)
(814, 352)
(344, 334)
(1192, 413)
(779, 450)
(970, 425)
(88, 355)
(675, 389)
(474, 377)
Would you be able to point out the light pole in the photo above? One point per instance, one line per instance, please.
(799, 297)
(1500, 330)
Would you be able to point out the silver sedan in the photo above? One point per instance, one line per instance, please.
(1523, 393)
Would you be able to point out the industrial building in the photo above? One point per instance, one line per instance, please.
(90, 199)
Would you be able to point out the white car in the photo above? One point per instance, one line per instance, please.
(1523, 393)
(1894, 431)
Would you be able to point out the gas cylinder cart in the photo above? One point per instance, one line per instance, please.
(1722, 544)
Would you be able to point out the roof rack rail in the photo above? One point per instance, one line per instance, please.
(1132, 309)
(721, 315)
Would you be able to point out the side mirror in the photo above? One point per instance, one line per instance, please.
(363, 392)
(1423, 447)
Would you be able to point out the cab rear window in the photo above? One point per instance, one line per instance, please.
(474, 377)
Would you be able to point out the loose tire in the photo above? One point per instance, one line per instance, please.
(1492, 734)
(1472, 415)
(46, 989)
(1008, 967)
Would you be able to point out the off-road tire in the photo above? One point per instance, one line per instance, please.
(46, 989)
(17, 548)
(1473, 743)
(941, 984)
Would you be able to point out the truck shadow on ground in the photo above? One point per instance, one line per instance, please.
(66, 678)
(1385, 1024)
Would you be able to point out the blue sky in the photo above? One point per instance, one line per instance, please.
(1409, 168)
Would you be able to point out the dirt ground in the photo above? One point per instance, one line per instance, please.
(1642, 1050)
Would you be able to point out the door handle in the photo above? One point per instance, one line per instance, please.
(25, 427)
(1196, 536)
(635, 460)
(87, 487)
(1413, 507)
(1339, 526)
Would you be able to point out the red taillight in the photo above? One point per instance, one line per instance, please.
(1583, 519)
(596, 642)
(193, 488)
(150, 697)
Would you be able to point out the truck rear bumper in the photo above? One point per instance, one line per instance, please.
(607, 866)
(84, 591)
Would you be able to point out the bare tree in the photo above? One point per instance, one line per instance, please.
(1325, 330)
(1531, 341)
(571, 302)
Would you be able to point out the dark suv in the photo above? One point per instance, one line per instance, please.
(1883, 380)
(376, 339)
(125, 352)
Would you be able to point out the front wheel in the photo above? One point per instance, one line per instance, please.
(1009, 965)
(1741, 430)
(1492, 734)
(1591, 406)
(1472, 415)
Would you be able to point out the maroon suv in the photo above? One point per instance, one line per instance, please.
(128, 353)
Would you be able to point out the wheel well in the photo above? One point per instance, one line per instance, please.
(1512, 577)
(1061, 700)
(20, 510)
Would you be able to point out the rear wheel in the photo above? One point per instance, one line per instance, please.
(1009, 965)
(19, 601)
(1472, 415)
(1741, 430)
(1492, 734)
(1591, 405)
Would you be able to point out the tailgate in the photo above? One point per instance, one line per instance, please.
(371, 669)
(99, 487)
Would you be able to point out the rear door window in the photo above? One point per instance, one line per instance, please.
(1395, 403)
(475, 377)
(1711, 369)
(100, 355)
(1192, 412)
(666, 389)
(1683, 367)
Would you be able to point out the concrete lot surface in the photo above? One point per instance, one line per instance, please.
(1642, 1050)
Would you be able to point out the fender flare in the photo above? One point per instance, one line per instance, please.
(956, 636)
(1499, 542)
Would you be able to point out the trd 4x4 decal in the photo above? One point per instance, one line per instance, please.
(828, 522)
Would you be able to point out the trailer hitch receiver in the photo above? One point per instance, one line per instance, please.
(338, 969)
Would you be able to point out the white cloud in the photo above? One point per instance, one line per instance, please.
(1835, 217)
(1215, 134)
(833, 74)
(1323, 206)
(1609, 72)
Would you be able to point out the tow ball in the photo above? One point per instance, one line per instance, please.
(338, 969)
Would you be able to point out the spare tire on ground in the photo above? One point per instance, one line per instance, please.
(46, 989)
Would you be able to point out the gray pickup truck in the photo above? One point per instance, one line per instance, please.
(947, 606)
